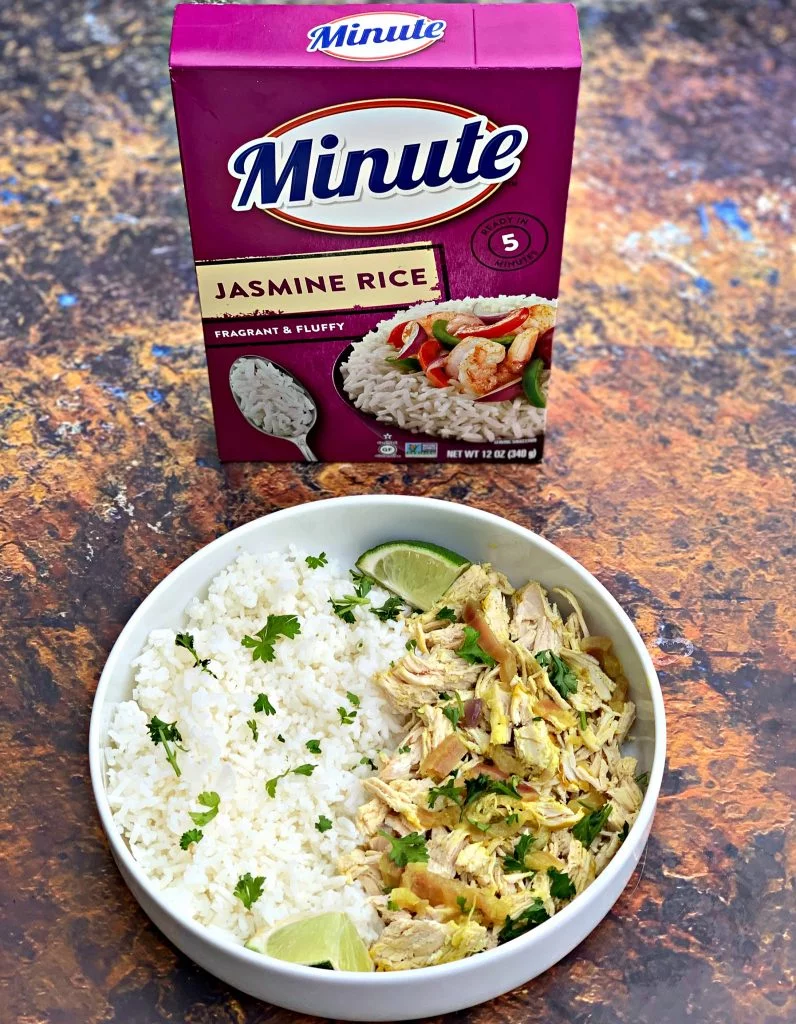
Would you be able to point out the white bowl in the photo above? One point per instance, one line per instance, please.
(344, 527)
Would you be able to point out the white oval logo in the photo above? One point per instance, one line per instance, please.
(377, 35)
(376, 166)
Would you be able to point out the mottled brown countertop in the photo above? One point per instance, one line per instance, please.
(668, 475)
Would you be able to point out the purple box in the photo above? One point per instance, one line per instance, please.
(377, 198)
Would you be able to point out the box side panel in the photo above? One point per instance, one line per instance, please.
(527, 35)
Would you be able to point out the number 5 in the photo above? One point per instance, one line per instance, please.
(509, 240)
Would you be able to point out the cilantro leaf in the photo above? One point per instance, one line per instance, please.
(362, 584)
(248, 889)
(344, 607)
(534, 914)
(263, 641)
(513, 818)
(461, 903)
(211, 800)
(280, 737)
(447, 613)
(410, 849)
(185, 640)
(368, 760)
(516, 861)
(454, 712)
(561, 887)
(588, 828)
(353, 699)
(252, 724)
(303, 769)
(558, 672)
(411, 645)
(623, 832)
(472, 651)
(166, 733)
(405, 749)
(483, 784)
(643, 780)
(346, 716)
(323, 824)
(315, 562)
(391, 609)
(314, 746)
(584, 725)
(193, 835)
(449, 791)
(264, 704)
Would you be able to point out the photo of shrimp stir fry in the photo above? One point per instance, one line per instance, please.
(509, 792)
(484, 357)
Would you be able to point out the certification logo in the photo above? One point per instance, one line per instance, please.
(420, 450)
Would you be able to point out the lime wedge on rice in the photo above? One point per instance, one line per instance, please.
(322, 940)
(418, 572)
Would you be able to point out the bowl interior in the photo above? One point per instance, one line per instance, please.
(344, 528)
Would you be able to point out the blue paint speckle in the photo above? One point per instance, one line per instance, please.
(703, 285)
(161, 350)
(202, 462)
(117, 392)
(734, 282)
(728, 213)
(772, 277)
(67, 300)
(154, 395)
(703, 220)
(7, 196)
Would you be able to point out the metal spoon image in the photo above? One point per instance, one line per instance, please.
(274, 401)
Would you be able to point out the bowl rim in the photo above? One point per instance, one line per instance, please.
(448, 971)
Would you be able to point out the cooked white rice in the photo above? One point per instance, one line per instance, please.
(407, 400)
(270, 399)
(306, 683)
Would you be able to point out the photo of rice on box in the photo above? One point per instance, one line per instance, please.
(476, 369)
(273, 400)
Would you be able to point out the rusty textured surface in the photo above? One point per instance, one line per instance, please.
(668, 474)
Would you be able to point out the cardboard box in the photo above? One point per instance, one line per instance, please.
(377, 183)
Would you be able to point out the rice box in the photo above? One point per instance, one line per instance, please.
(377, 198)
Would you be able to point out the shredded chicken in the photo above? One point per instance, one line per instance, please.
(509, 777)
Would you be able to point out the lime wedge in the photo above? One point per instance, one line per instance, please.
(418, 572)
(321, 940)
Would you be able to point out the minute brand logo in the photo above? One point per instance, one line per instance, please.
(376, 35)
(322, 171)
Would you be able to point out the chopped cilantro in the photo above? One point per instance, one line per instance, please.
(449, 790)
(516, 861)
(391, 609)
(444, 695)
(472, 651)
(185, 640)
(513, 818)
(315, 562)
(323, 824)
(263, 641)
(558, 672)
(483, 784)
(410, 849)
(264, 704)
(447, 613)
(252, 724)
(454, 712)
(303, 769)
(561, 887)
(623, 832)
(461, 903)
(643, 780)
(391, 905)
(534, 914)
(249, 890)
(346, 716)
(411, 645)
(584, 725)
(210, 800)
(166, 733)
(404, 749)
(314, 746)
(362, 584)
(588, 828)
(368, 760)
(280, 737)
(353, 699)
(344, 607)
(193, 835)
